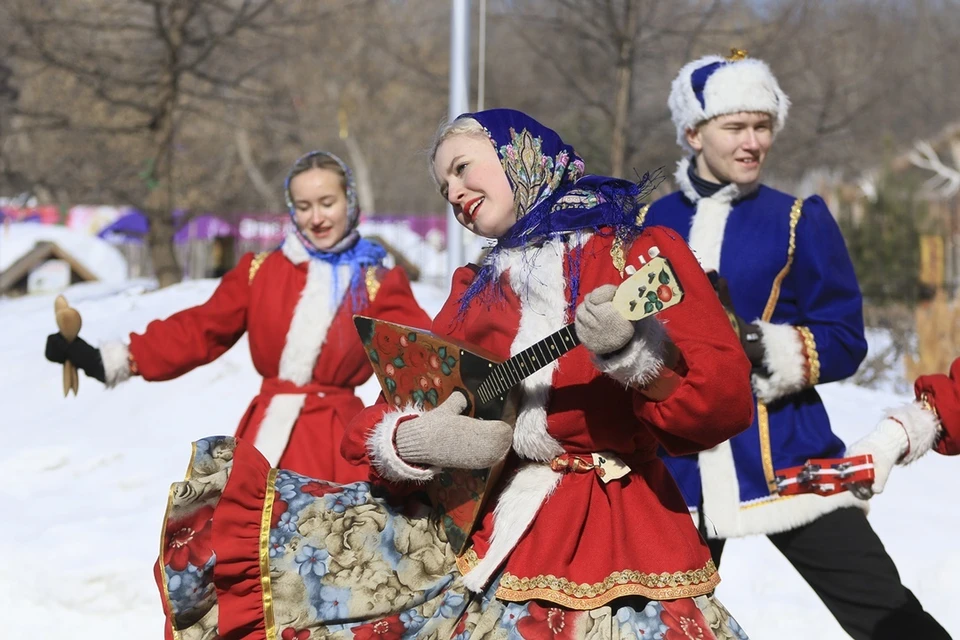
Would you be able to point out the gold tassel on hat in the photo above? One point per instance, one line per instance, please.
(736, 54)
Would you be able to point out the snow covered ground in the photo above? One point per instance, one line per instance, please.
(86, 480)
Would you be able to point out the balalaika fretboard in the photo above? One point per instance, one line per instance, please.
(509, 373)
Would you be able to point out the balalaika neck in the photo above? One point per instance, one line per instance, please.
(509, 373)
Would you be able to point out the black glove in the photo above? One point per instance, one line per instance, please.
(750, 334)
(81, 354)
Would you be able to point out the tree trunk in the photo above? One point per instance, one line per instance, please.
(624, 82)
(162, 254)
(357, 159)
(270, 196)
(162, 194)
(361, 171)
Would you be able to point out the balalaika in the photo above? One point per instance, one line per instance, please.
(417, 367)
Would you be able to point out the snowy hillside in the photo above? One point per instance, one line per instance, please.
(86, 480)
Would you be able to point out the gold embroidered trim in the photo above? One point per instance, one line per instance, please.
(929, 406)
(270, 625)
(763, 420)
(616, 250)
(763, 426)
(467, 561)
(795, 212)
(763, 502)
(617, 592)
(811, 355)
(663, 586)
(373, 284)
(163, 547)
(650, 580)
(255, 265)
(926, 404)
(617, 253)
(193, 454)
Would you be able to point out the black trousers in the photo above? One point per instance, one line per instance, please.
(841, 557)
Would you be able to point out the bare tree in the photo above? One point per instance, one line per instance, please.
(371, 87)
(203, 105)
(151, 76)
(618, 57)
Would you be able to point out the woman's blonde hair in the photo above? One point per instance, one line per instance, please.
(461, 126)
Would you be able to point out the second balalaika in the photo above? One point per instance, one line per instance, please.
(418, 367)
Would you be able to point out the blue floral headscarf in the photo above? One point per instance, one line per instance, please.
(353, 250)
(552, 196)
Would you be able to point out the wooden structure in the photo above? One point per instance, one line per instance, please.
(13, 281)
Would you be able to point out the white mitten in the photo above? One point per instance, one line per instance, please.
(906, 434)
(886, 443)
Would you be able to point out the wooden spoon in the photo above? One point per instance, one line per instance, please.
(69, 322)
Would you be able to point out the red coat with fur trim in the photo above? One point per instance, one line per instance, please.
(302, 342)
(941, 395)
(573, 539)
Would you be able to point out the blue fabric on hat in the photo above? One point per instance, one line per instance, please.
(698, 80)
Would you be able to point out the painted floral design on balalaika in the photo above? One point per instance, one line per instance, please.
(417, 367)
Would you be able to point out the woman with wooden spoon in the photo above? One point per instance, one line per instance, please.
(297, 303)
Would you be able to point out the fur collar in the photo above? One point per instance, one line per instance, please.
(293, 249)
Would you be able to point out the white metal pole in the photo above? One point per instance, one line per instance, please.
(459, 88)
(482, 56)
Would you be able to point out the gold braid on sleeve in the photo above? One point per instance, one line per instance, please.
(810, 355)
(255, 265)
(372, 282)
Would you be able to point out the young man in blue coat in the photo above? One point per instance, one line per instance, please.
(784, 274)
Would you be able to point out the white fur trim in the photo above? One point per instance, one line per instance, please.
(709, 222)
(383, 453)
(744, 85)
(706, 232)
(641, 360)
(922, 428)
(116, 362)
(274, 430)
(311, 319)
(727, 195)
(294, 249)
(536, 276)
(516, 508)
(721, 491)
(730, 519)
(783, 357)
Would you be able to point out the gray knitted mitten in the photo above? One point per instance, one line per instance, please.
(444, 438)
(600, 326)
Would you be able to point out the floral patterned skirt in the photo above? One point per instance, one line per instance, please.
(261, 553)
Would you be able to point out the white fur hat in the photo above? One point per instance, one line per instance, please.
(714, 86)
